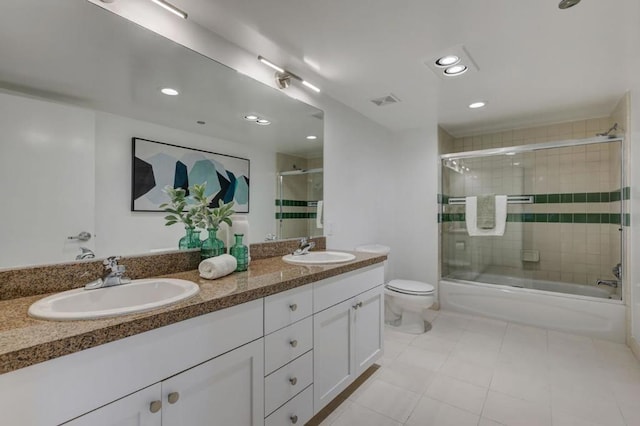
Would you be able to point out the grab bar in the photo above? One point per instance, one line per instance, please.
(511, 199)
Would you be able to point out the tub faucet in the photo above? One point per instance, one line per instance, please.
(610, 283)
(304, 247)
(113, 275)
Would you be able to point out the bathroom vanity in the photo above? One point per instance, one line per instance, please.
(271, 346)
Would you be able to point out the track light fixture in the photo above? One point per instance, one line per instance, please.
(171, 8)
(283, 77)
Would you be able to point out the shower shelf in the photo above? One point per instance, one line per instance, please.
(511, 199)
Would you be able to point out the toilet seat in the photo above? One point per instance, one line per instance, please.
(415, 288)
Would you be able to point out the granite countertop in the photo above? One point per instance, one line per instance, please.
(26, 341)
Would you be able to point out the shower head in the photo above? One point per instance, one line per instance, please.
(566, 4)
(613, 128)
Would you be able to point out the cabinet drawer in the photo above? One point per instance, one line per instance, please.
(287, 307)
(334, 290)
(298, 411)
(287, 344)
(283, 384)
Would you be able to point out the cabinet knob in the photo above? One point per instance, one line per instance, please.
(294, 419)
(293, 307)
(173, 397)
(293, 381)
(155, 406)
(293, 343)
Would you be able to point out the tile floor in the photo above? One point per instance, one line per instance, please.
(476, 371)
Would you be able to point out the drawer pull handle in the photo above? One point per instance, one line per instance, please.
(357, 305)
(294, 419)
(293, 307)
(293, 381)
(155, 406)
(173, 397)
(293, 343)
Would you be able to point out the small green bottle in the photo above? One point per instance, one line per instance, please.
(241, 253)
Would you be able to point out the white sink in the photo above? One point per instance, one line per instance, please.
(137, 296)
(319, 258)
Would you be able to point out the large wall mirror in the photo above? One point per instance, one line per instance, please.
(77, 83)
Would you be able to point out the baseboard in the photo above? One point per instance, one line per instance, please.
(635, 347)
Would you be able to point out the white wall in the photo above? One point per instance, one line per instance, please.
(633, 270)
(415, 232)
(121, 231)
(358, 179)
(47, 179)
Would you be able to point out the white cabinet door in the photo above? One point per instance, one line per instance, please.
(333, 345)
(368, 328)
(132, 410)
(227, 390)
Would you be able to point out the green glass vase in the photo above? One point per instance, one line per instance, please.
(191, 240)
(212, 246)
(240, 252)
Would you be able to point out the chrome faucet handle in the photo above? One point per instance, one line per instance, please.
(303, 241)
(111, 263)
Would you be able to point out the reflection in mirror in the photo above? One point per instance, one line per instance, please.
(80, 84)
(300, 204)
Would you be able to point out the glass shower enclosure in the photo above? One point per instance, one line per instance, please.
(300, 205)
(564, 223)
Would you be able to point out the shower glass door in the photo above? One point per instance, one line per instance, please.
(564, 224)
(300, 203)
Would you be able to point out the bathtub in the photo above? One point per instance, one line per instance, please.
(587, 310)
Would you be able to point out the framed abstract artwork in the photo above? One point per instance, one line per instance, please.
(157, 164)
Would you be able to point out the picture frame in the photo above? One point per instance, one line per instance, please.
(157, 164)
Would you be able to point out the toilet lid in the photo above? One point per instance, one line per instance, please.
(410, 287)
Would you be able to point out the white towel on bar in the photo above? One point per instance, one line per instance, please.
(319, 209)
(471, 215)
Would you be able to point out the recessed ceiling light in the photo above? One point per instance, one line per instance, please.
(510, 153)
(478, 104)
(169, 91)
(251, 117)
(263, 122)
(516, 164)
(445, 61)
(456, 70)
(312, 137)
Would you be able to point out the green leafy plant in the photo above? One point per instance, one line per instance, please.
(176, 208)
(210, 217)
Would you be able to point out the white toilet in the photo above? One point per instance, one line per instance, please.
(405, 301)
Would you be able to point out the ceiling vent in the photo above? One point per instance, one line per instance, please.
(386, 100)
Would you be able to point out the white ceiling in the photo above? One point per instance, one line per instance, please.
(537, 64)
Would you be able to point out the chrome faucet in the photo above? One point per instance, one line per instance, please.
(617, 271)
(304, 247)
(113, 275)
(610, 283)
(86, 254)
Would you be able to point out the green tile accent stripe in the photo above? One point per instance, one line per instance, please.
(294, 203)
(295, 215)
(573, 197)
(611, 218)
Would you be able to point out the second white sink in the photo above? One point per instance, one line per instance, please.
(319, 258)
(137, 296)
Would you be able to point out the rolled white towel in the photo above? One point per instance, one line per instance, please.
(216, 267)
